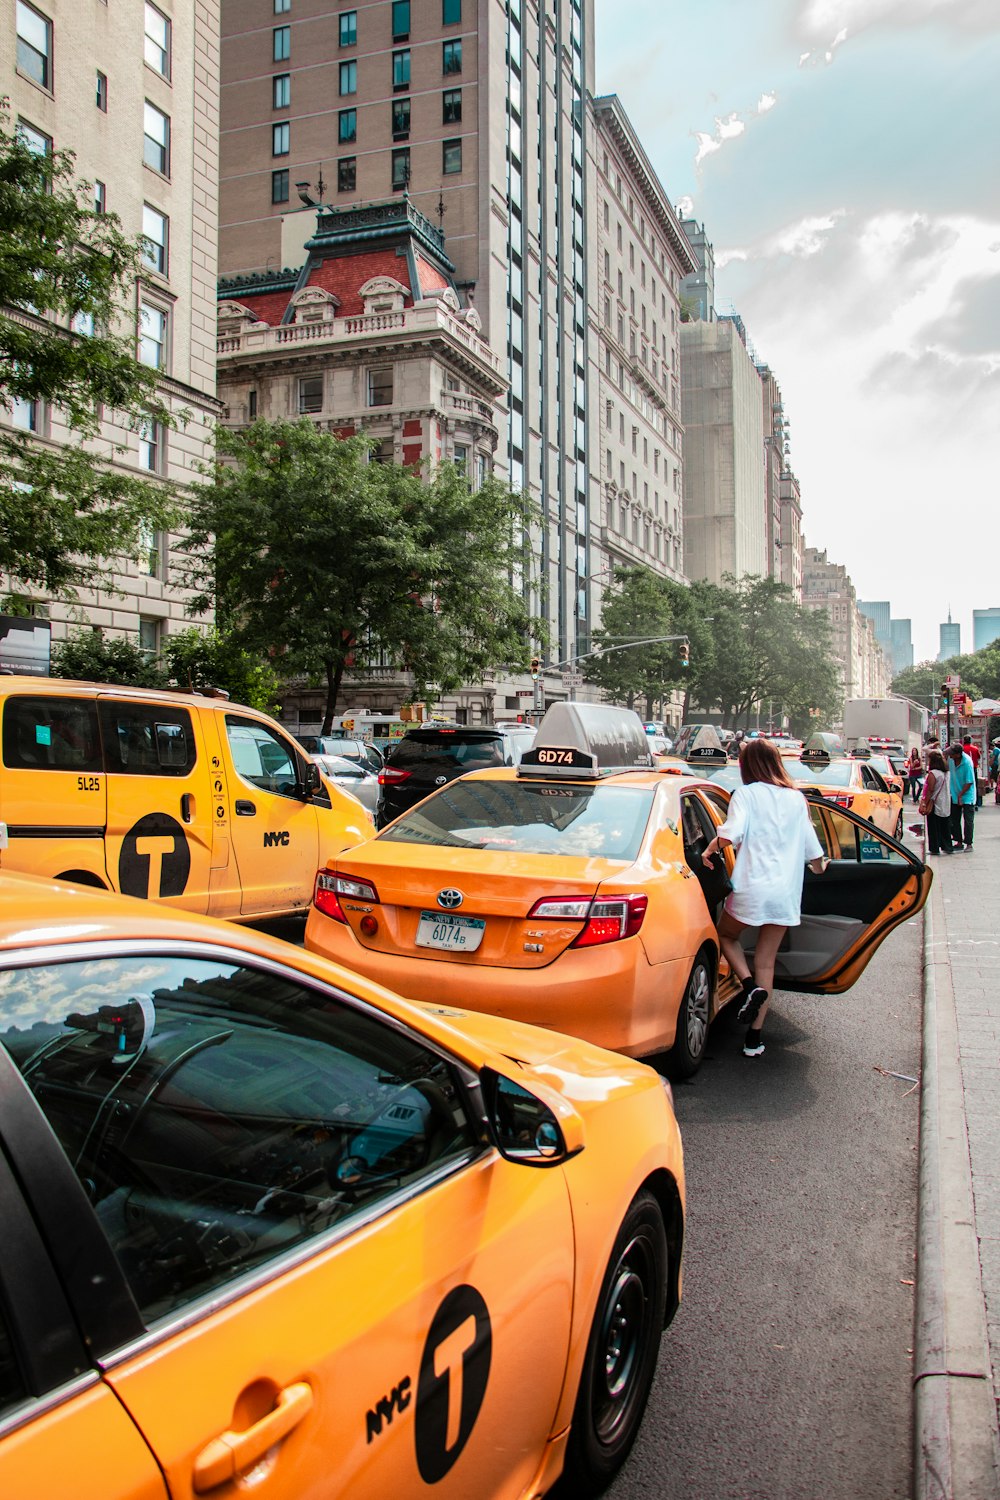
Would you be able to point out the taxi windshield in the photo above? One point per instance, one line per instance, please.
(837, 773)
(526, 818)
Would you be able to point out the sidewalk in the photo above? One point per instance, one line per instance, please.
(957, 1335)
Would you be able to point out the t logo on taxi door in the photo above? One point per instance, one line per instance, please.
(454, 1370)
(155, 859)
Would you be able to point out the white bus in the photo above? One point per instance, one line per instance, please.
(896, 721)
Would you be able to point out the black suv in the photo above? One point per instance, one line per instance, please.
(429, 757)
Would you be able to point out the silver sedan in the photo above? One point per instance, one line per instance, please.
(351, 777)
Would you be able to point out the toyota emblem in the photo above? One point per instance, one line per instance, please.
(450, 899)
(440, 780)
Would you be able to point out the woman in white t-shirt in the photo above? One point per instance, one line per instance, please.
(768, 824)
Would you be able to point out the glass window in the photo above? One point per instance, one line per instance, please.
(451, 12)
(281, 90)
(401, 69)
(34, 44)
(451, 107)
(451, 61)
(157, 41)
(25, 414)
(100, 198)
(347, 174)
(281, 138)
(400, 169)
(35, 140)
(400, 119)
(451, 156)
(591, 821)
(263, 1111)
(279, 186)
(150, 445)
(261, 757)
(51, 734)
(400, 19)
(281, 6)
(155, 229)
(13, 1390)
(148, 739)
(101, 97)
(311, 393)
(282, 43)
(347, 125)
(348, 78)
(156, 139)
(380, 387)
(349, 28)
(152, 336)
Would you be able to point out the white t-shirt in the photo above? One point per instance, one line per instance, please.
(772, 832)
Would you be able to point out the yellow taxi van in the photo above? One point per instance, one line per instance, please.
(188, 799)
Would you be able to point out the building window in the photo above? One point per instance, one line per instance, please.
(156, 48)
(311, 393)
(34, 45)
(451, 156)
(155, 228)
(461, 459)
(35, 140)
(384, 453)
(348, 78)
(281, 90)
(347, 174)
(451, 107)
(451, 12)
(401, 69)
(149, 636)
(156, 139)
(152, 336)
(281, 6)
(27, 415)
(279, 186)
(451, 58)
(282, 43)
(151, 445)
(281, 136)
(400, 169)
(347, 129)
(252, 405)
(400, 20)
(380, 387)
(101, 96)
(400, 119)
(349, 29)
(100, 198)
(149, 562)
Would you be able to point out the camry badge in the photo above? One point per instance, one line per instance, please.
(450, 899)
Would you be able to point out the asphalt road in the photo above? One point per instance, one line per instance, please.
(786, 1373)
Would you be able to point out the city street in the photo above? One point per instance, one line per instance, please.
(787, 1370)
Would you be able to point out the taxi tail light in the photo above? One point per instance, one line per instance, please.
(842, 801)
(608, 921)
(390, 775)
(330, 888)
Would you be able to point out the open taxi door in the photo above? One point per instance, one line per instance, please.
(871, 885)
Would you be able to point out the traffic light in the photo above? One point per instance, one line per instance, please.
(945, 692)
(685, 650)
(535, 666)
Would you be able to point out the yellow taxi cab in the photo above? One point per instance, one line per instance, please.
(570, 892)
(270, 1230)
(182, 798)
(848, 781)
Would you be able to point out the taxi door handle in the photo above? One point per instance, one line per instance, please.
(187, 807)
(233, 1452)
(245, 809)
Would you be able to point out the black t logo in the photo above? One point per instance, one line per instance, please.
(454, 1370)
(155, 859)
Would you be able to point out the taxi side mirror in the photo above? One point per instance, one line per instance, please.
(311, 783)
(536, 1127)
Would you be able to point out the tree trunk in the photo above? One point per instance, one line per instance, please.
(334, 675)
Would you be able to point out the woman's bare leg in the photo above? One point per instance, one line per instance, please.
(732, 948)
(768, 943)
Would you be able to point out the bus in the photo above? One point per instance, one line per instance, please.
(891, 721)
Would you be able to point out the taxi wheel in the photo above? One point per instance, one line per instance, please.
(684, 1057)
(621, 1353)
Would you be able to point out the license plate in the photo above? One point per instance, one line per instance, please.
(455, 934)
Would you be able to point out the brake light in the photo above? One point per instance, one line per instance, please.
(607, 921)
(842, 801)
(329, 889)
(390, 774)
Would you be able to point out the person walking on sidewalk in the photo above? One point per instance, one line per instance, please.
(963, 798)
(914, 774)
(935, 804)
(769, 825)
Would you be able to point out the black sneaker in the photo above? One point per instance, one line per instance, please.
(753, 1045)
(751, 1007)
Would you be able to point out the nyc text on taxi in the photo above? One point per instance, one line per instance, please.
(571, 892)
(181, 798)
(270, 1230)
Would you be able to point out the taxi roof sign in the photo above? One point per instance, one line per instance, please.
(823, 747)
(706, 748)
(588, 740)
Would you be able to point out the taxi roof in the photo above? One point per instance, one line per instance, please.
(588, 740)
(210, 697)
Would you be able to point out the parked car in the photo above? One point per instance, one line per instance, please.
(351, 776)
(429, 757)
(362, 752)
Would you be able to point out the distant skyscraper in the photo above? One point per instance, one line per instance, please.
(951, 639)
(698, 289)
(985, 626)
(902, 645)
(879, 612)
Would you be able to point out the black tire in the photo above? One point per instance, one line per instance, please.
(685, 1056)
(621, 1355)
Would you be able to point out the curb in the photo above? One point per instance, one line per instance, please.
(956, 1443)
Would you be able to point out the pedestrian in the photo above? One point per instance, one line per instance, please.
(914, 773)
(769, 825)
(963, 798)
(972, 751)
(935, 805)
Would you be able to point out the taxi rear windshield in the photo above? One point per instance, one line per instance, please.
(601, 821)
(446, 751)
(837, 773)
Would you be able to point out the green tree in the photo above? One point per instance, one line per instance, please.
(67, 289)
(199, 660)
(336, 563)
(636, 605)
(88, 656)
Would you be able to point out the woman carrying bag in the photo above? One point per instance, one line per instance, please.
(914, 772)
(935, 805)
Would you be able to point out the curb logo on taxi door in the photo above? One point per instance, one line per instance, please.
(454, 1371)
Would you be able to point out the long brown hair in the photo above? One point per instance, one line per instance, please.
(936, 761)
(760, 761)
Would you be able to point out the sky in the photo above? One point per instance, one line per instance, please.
(844, 158)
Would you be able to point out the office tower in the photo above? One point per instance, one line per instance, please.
(951, 639)
(985, 627)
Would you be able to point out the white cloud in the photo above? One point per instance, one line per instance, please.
(725, 130)
(766, 102)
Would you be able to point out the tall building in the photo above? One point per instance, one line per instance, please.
(133, 90)
(985, 627)
(950, 639)
(477, 113)
(792, 541)
(725, 528)
(902, 645)
(698, 286)
(861, 661)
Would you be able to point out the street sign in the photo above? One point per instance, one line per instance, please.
(952, 681)
(525, 693)
(572, 679)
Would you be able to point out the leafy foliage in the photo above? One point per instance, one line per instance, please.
(336, 563)
(88, 656)
(65, 514)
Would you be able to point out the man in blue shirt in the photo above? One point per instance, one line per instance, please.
(963, 797)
